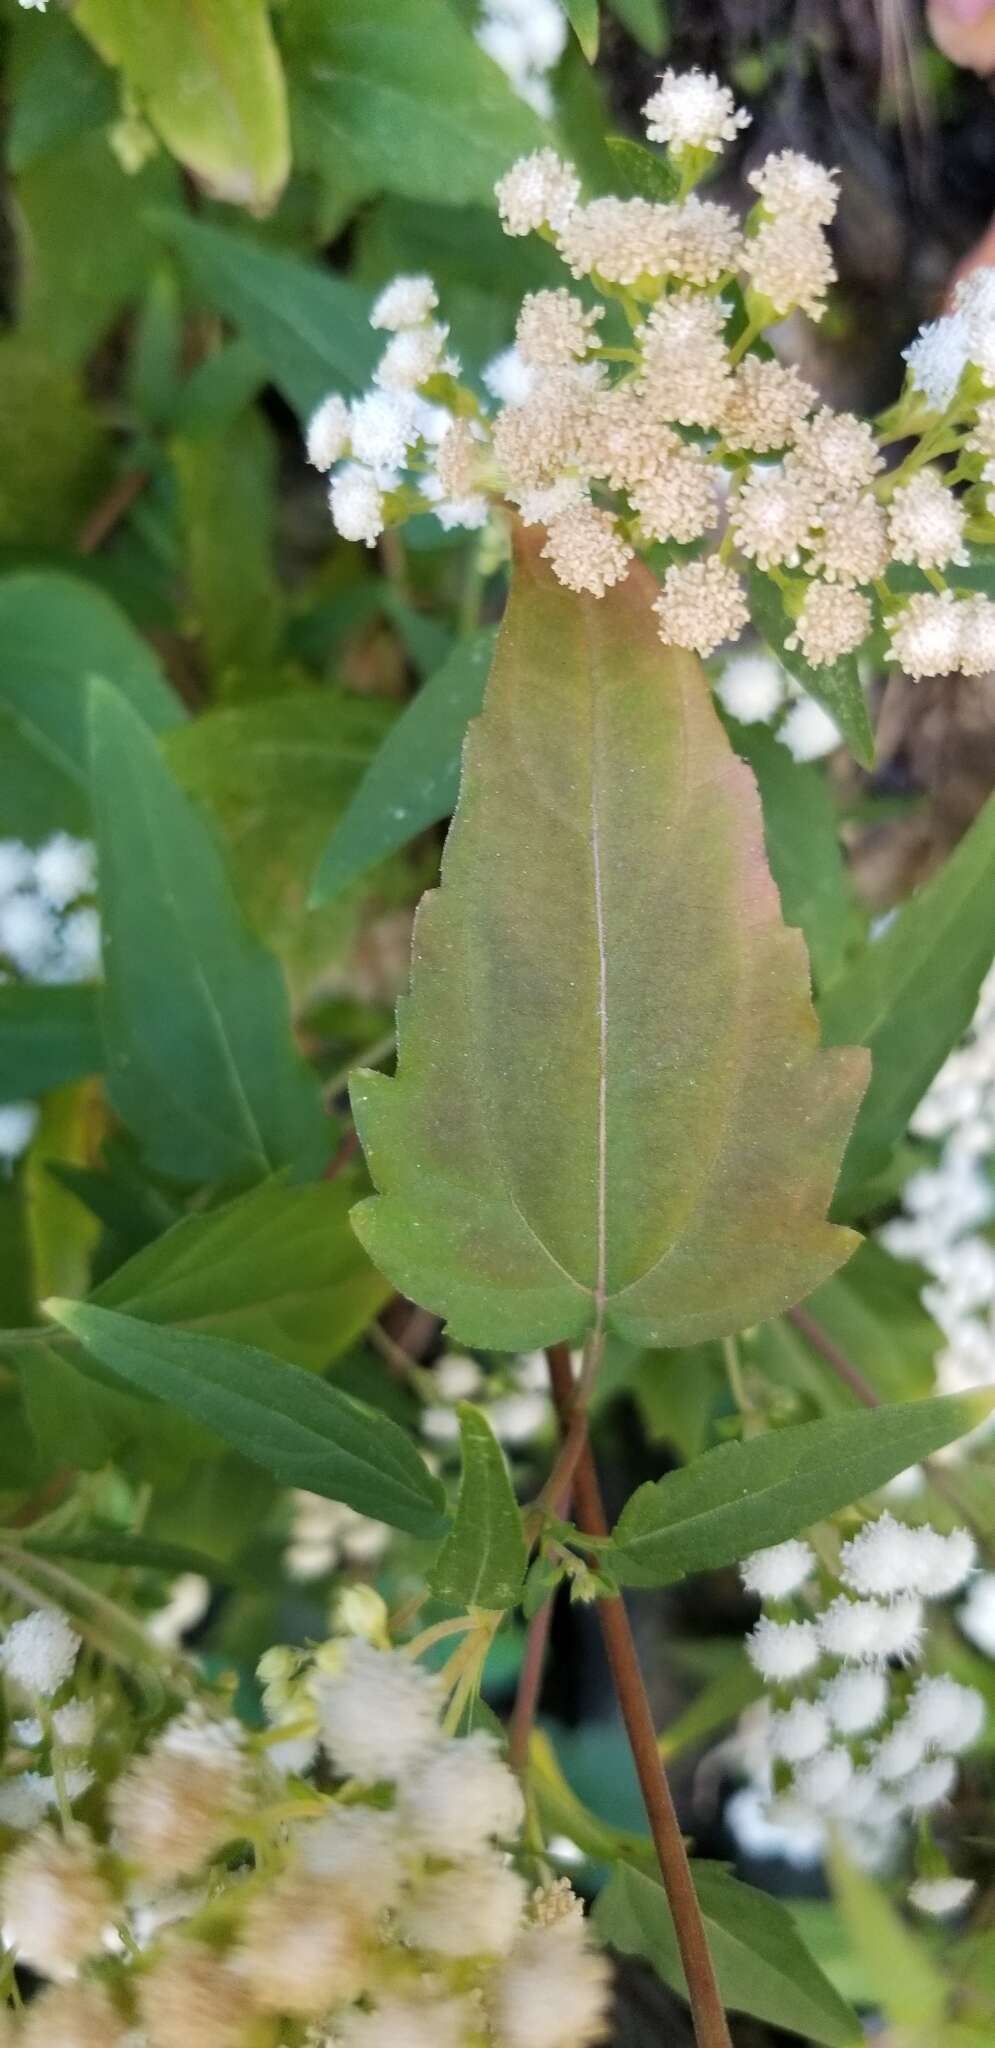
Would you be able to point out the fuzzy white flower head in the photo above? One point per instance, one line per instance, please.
(833, 620)
(937, 359)
(16, 866)
(926, 523)
(930, 1785)
(462, 1797)
(851, 1630)
(883, 1558)
(901, 1751)
(586, 548)
(457, 1378)
(976, 638)
(800, 1733)
(328, 432)
(554, 328)
(977, 1615)
(18, 1123)
(355, 501)
(25, 1800)
(382, 427)
(471, 512)
(538, 191)
(752, 687)
(925, 634)
(823, 1780)
(771, 519)
(809, 732)
(941, 1896)
(359, 1845)
(475, 1910)
(700, 605)
(789, 262)
(691, 110)
(55, 1905)
(785, 1830)
(900, 1627)
(378, 1713)
(790, 183)
(782, 1650)
(430, 2022)
(65, 868)
(39, 1652)
(508, 377)
(974, 299)
(553, 1990)
(517, 1418)
(946, 1714)
(412, 357)
(404, 302)
(856, 1700)
(781, 1569)
(79, 946)
(945, 1562)
(28, 933)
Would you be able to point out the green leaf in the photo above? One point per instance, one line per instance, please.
(802, 839)
(48, 1035)
(482, 1562)
(911, 1991)
(58, 87)
(873, 1312)
(131, 1553)
(309, 327)
(227, 485)
(413, 779)
(646, 20)
(53, 453)
(646, 172)
(402, 88)
(911, 994)
(836, 685)
(583, 18)
(746, 1495)
(279, 1268)
(211, 84)
(295, 1426)
(610, 1098)
(761, 1962)
(201, 1063)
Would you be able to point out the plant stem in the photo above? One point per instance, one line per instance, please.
(707, 2012)
(529, 1686)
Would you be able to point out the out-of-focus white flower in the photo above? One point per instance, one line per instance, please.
(752, 687)
(473, 1910)
(508, 377)
(937, 358)
(799, 1840)
(327, 436)
(378, 1713)
(462, 1797)
(808, 731)
(941, 1896)
(18, 1123)
(39, 1652)
(64, 869)
(977, 1614)
(526, 38)
(404, 302)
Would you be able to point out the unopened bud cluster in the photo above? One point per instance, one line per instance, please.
(855, 1736)
(195, 1895)
(645, 412)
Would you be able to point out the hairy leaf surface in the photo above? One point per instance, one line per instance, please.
(610, 1101)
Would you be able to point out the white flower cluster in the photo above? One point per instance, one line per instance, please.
(48, 933)
(852, 1737)
(516, 1401)
(755, 689)
(963, 338)
(392, 1916)
(947, 1206)
(527, 39)
(37, 1660)
(326, 1533)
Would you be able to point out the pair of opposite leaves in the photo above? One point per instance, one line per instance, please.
(611, 1106)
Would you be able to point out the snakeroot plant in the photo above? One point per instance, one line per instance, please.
(496, 1233)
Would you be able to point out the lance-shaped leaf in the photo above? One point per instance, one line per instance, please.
(610, 1101)
(482, 1562)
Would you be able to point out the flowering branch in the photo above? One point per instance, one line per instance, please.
(707, 2011)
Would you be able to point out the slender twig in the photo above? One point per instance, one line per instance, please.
(707, 2012)
(529, 1686)
(101, 521)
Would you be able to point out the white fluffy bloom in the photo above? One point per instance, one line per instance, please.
(18, 1123)
(538, 191)
(404, 2023)
(790, 183)
(526, 40)
(752, 687)
(25, 1800)
(930, 1785)
(851, 1629)
(884, 1557)
(456, 1378)
(779, 1571)
(461, 1797)
(404, 302)
(974, 300)
(793, 1835)
(945, 1714)
(382, 427)
(808, 732)
(412, 357)
(28, 933)
(977, 1615)
(945, 1562)
(55, 1905)
(926, 523)
(691, 110)
(79, 946)
(800, 1733)
(378, 1713)
(508, 377)
(940, 1896)
(355, 501)
(475, 1910)
(64, 869)
(937, 358)
(782, 1650)
(856, 1700)
(39, 1652)
(553, 1990)
(16, 865)
(900, 1627)
(901, 1751)
(517, 1418)
(328, 432)
(821, 1781)
(359, 1845)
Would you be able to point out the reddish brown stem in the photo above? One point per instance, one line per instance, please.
(707, 2012)
(529, 1687)
(100, 523)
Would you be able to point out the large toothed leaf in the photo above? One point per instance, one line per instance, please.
(610, 1093)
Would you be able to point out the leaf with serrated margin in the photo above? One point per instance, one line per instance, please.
(610, 1099)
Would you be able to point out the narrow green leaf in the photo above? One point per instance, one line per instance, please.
(308, 326)
(801, 833)
(67, 302)
(761, 1962)
(646, 20)
(48, 1035)
(610, 1097)
(279, 1268)
(482, 1562)
(211, 83)
(201, 1063)
(227, 485)
(910, 995)
(58, 90)
(836, 685)
(583, 18)
(401, 88)
(295, 1426)
(910, 1989)
(644, 170)
(413, 779)
(133, 1553)
(746, 1495)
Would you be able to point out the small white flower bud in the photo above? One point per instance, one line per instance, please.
(404, 302)
(781, 1651)
(856, 1700)
(691, 110)
(930, 1785)
(941, 1896)
(783, 1568)
(328, 432)
(946, 1714)
(800, 1733)
(39, 1652)
(822, 1781)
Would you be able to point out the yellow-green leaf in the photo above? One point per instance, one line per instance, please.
(610, 1099)
(482, 1562)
